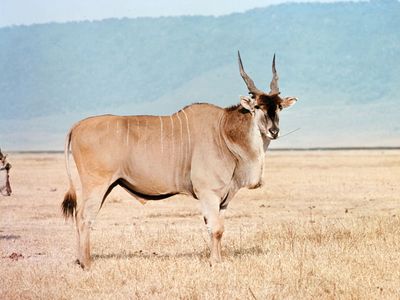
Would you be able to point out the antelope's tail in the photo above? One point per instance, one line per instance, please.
(69, 204)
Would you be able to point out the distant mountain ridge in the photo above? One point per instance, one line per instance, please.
(339, 58)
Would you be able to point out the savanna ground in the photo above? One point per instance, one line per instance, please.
(325, 225)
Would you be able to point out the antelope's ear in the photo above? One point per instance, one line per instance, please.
(248, 103)
(288, 101)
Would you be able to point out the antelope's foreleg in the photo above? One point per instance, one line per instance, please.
(215, 224)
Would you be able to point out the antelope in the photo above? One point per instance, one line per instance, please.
(204, 151)
(5, 186)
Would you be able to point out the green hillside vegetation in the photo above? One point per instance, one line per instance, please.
(341, 59)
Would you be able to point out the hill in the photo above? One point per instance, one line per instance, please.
(341, 59)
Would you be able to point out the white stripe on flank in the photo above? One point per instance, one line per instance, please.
(181, 143)
(221, 148)
(127, 134)
(161, 134)
(221, 144)
(187, 128)
(180, 122)
(145, 140)
(138, 128)
(172, 138)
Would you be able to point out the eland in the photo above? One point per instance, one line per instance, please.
(204, 151)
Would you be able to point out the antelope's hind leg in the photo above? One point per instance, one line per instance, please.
(85, 216)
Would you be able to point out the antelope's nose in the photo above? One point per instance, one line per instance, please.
(274, 132)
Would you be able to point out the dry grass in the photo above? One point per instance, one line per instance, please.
(325, 225)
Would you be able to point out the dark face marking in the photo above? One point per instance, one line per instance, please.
(270, 106)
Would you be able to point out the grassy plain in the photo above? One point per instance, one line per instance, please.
(326, 224)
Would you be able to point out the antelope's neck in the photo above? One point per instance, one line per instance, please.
(242, 135)
(243, 138)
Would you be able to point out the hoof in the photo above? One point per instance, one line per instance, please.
(82, 265)
(214, 262)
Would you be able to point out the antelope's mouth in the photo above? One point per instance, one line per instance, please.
(268, 135)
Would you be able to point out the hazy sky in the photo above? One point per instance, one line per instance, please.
(16, 12)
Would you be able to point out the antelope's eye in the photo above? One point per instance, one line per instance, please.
(280, 107)
(256, 106)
